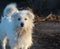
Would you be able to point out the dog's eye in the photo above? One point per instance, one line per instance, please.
(19, 19)
(25, 18)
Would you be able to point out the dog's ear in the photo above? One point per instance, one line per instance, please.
(30, 15)
(9, 10)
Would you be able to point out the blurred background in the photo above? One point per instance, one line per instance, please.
(47, 21)
(39, 7)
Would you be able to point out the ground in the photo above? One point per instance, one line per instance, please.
(46, 35)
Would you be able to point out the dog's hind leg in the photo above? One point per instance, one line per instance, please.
(4, 43)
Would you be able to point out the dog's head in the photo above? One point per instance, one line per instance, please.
(23, 18)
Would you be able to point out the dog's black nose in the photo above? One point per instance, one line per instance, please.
(22, 24)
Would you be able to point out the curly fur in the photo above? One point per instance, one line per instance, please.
(10, 27)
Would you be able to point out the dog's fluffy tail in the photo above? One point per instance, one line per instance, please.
(10, 9)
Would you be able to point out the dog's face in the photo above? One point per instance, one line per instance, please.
(22, 19)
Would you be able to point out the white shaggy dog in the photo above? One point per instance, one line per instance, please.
(16, 26)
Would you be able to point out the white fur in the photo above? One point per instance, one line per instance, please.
(10, 27)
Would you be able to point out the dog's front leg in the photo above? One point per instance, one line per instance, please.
(4, 43)
(25, 47)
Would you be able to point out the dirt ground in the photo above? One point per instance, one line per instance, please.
(46, 35)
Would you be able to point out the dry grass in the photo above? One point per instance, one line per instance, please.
(46, 33)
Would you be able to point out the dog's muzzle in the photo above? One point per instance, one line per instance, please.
(22, 24)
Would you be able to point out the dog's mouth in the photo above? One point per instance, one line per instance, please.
(19, 30)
